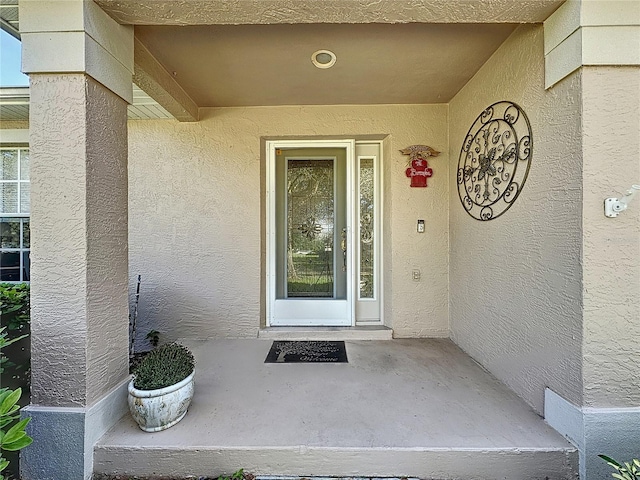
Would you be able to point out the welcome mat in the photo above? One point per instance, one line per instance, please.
(285, 351)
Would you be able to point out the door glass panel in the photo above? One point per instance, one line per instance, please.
(367, 228)
(310, 216)
(310, 227)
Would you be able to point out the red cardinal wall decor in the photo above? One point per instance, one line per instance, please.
(419, 170)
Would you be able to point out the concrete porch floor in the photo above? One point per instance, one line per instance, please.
(419, 408)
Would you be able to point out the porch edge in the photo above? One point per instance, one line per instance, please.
(305, 461)
(369, 332)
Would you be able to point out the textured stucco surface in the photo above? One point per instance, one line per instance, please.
(196, 210)
(212, 12)
(107, 245)
(79, 240)
(611, 143)
(515, 281)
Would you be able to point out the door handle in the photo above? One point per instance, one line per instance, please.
(343, 245)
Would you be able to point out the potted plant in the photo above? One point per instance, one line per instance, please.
(161, 389)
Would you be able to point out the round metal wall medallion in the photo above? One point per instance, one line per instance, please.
(494, 161)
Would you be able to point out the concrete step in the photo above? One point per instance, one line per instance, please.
(419, 408)
(304, 461)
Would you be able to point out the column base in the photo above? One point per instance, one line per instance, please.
(608, 431)
(64, 437)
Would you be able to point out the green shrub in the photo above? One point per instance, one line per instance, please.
(238, 475)
(13, 436)
(15, 306)
(154, 338)
(628, 471)
(164, 366)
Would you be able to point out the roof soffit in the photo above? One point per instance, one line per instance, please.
(237, 12)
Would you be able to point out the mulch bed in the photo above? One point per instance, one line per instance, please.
(102, 476)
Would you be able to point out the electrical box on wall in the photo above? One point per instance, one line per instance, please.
(420, 226)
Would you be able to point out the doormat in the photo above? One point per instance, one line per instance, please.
(285, 351)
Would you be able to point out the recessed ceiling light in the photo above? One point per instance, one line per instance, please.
(323, 59)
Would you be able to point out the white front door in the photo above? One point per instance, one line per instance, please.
(315, 276)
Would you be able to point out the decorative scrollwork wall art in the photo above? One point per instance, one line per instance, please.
(494, 161)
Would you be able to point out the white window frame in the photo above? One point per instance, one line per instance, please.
(22, 216)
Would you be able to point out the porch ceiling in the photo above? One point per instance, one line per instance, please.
(257, 52)
(246, 65)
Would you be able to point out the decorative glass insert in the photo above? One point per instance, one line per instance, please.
(310, 228)
(15, 205)
(367, 228)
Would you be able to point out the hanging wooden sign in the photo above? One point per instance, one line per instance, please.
(419, 171)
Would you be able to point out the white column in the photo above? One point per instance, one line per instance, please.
(80, 64)
(602, 39)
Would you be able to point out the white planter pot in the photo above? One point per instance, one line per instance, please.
(156, 410)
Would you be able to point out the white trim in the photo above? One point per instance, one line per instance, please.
(20, 216)
(564, 417)
(337, 310)
(381, 220)
(568, 420)
(590, 33)
(369, 318)
(14, 136)
(100, 417)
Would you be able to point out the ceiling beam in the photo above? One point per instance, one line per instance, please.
(247, 12)
(160, 85)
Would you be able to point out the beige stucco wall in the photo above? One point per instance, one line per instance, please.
(195, 212)
(611, 119)
(78, 143)
(515, 281)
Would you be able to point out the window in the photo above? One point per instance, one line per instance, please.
(14, 215)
